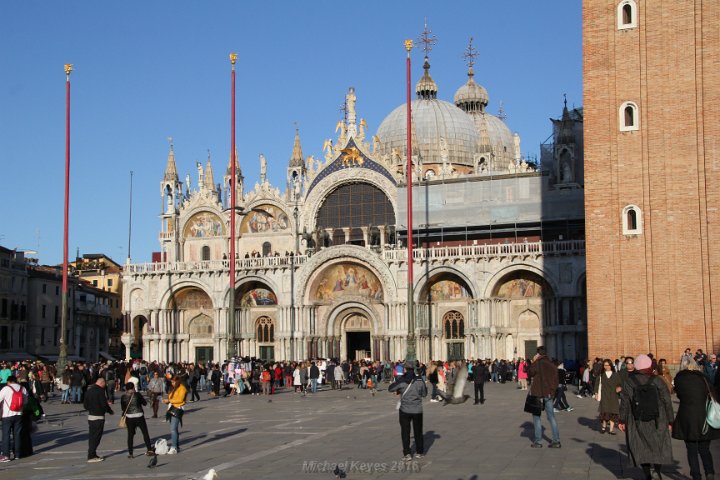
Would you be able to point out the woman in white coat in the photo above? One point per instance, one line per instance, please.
(297, 383)
(339, 377)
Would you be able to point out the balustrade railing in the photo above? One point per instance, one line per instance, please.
(495, 250)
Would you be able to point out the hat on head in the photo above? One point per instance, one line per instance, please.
(642, 362)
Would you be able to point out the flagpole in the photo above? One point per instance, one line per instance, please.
(233, 188)
(62, 356)
(411, 353)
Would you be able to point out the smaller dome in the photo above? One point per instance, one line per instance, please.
(471, 97)
(426, 88)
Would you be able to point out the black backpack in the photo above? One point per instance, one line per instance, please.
(110, 375)
(645, 401)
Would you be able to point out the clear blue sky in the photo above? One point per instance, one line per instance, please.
(146, 70)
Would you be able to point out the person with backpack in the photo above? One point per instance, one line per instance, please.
(693, 390)
(646, 415)
(12, 400)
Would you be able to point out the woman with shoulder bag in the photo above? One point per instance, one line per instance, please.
(176, 402)
(693, 390)
(132, 402)
(606, 394)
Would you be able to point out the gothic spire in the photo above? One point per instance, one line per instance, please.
(296, 159)
(171, 174)
(209, 177)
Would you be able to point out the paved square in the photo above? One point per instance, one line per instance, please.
(291, 436)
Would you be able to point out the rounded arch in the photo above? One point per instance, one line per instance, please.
(203, 222)
(339, 312)
(343, 254)
(242, 285)
(266, 209)
(201, 325)
(626, 14)
(255, 293)
(169, 298)
(442, 273)
(136, 298)
(316, 197)
(502, 275)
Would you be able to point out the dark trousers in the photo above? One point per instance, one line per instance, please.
(703, 450)
(132, 424)
(416, 419)
(110, 388)
(94, 436)
(561, 402)
(195, 395)
(11, 424)
(480, 387)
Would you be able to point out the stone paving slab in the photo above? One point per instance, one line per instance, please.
(290, 436)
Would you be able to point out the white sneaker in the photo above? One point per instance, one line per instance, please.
(579, 396)
(432, 400)
(172, 451)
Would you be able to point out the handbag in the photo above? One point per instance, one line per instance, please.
(533, 404)
(712, 411)
(123, 420)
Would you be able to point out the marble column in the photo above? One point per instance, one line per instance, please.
(365, 231)
(381, 228)
(346, 231)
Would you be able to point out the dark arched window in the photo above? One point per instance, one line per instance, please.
(629, 116)
(632, 219)
(627, 14)
(355, 205)
(454, 325)
(206, 253)
(267, 249)
(265, 330)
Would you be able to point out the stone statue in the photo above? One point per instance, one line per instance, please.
(376, 143)
(263, 169)
(187, 184)
(200, 174)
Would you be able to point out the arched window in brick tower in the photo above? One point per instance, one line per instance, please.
(629, 117)
(632, 220)
(627, 15)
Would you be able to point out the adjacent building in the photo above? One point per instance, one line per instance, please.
(652, 124)
(13, 304)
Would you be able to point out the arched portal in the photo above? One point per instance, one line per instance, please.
(139, 324)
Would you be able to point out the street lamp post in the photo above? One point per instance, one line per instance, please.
(62, 356)
(410, 355)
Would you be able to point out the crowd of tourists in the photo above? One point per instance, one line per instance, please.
(634, 396)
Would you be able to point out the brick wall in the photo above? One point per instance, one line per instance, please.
(656, 292)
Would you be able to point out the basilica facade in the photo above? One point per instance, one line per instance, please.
(499, 258)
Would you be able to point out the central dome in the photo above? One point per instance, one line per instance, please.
(433, 119)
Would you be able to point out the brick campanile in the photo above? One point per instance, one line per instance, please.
(651, 72)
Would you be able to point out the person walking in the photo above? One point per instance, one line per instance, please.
(110, 376)
(693, 390)
(132, 403)
(544, 377)
(522, 374)
(411, 390)
(97, 405)
(176, 403)
(645, 415)
(561, 402)
(12, 400)
(479, 375)
(606, 394)
(155, 387)
(338, 377)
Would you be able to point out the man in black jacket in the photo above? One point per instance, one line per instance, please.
(314, 376)
(97, 405)
(479, 375)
